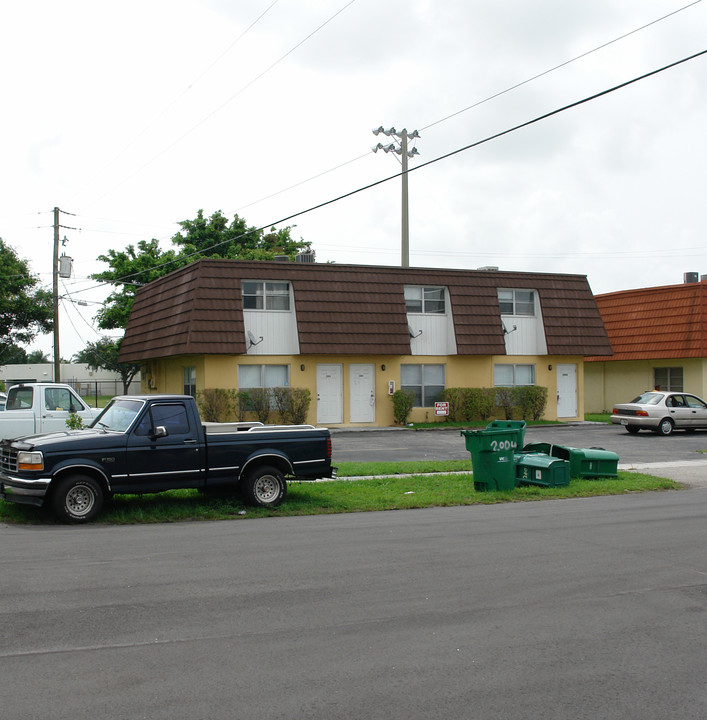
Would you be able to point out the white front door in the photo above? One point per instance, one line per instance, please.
(330, 396)
(362, 393)
(566, 391)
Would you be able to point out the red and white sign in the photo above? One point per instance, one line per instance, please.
(441, 408)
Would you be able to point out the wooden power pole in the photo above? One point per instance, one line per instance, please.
(55, 298)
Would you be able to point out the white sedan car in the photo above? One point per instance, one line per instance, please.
(661, 412)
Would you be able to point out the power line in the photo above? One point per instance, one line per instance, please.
(487, 99)
(226, 102)
(561, 65)
(170, 105)
(430, 125)
(470, 146)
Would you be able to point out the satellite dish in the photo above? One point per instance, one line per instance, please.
(251, 339)
(412, 332)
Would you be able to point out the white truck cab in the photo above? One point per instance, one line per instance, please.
(33, 408)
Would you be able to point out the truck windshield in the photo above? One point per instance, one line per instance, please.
(118, 415)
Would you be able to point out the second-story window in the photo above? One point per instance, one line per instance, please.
(429, 300)
(265, 295)
(517, 302)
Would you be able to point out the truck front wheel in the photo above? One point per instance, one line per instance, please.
(264, 487)
(77, 499)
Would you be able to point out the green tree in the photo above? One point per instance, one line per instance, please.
(130, 269)
(104, 354)
(11, 354)
(37, 356)
(215, 237)
(26, 309)
(202, 237)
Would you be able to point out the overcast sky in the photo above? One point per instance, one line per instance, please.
(133, 116)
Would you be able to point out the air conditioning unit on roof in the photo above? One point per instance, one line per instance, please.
(305, 257)
(690, 277)
(282, 258)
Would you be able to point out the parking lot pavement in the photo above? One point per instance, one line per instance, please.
(692, 473)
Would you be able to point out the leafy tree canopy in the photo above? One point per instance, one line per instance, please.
(104, 354)
(202, 237)
(11, 354)
(25, 308)
(130, 269)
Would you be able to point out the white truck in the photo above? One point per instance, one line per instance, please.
(33, 408)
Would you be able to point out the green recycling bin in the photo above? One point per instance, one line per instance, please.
(492, 457)
(584, 462)
(536, 468)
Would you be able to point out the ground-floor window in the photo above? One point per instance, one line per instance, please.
(263, 376)
(668, 378)
(513, 375)
(425, 381)
(189, 381)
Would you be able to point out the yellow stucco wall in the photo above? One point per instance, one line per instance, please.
(166, 376)
(618, 381)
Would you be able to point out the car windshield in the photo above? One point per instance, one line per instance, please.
(118, 415)
(648, 398)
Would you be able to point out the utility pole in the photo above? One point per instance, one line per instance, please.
(404, 153)
(55, 297)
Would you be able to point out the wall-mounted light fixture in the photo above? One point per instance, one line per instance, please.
(549, 367)
(382, 367)
(301, 367)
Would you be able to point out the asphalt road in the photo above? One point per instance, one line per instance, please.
(403, 444)
(591, 608)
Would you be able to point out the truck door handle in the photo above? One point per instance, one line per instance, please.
(190, 442)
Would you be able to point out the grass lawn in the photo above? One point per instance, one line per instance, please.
(391, 488)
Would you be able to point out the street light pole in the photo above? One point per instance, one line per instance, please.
(404, 153)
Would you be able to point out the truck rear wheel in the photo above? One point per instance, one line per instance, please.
(77, 499)
(264, 487)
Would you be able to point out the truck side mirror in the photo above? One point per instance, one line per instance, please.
(160, 431)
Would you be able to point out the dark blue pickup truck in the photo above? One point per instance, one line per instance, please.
(150, 443)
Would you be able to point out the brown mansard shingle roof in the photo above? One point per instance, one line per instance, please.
(350, 309)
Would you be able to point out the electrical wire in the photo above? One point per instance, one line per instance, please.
(226, 102)
(174, 102)
(470, 146)
(485, 100)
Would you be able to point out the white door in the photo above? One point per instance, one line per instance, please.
(362, 393)
(330, 396)
(566, 391)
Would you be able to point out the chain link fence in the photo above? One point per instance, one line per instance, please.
(94, 392)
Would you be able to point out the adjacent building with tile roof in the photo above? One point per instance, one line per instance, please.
(659, 338)
(350, 333)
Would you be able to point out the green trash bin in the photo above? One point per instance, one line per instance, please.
(492, 458)
(536, 468)
(517, 425)
(584, 462)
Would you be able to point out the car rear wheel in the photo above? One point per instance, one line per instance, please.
(666, 427)
(633, 429)
(264, 487)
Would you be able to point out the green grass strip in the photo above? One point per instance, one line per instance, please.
(383, 492)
